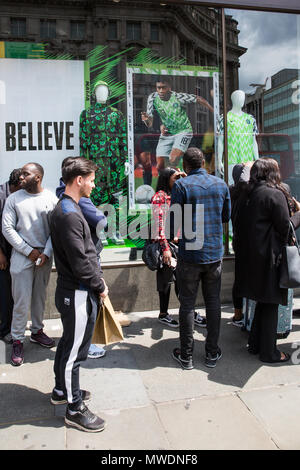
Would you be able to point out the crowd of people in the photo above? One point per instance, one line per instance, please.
(37, 225)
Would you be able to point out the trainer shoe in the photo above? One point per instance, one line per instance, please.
(199, 320)
(211, 361)
(95, 352)
(168, 320)
(61, 399)
(239, 323)
(185, 363)
(84, 419)
(41, 338)
(17, 355)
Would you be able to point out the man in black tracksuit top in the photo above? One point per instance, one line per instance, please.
(79, 286)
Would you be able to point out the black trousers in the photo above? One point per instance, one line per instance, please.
(6, 302)
(263, 334)
(164, 279)
(236, 300)
(78, 310)
(188, 279)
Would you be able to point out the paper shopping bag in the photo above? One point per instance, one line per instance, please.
(107, 329)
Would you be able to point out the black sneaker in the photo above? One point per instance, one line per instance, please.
(57, 399)
(211, 361)
(84, 420)
(185, 363)
(168, 320)
(199, 320)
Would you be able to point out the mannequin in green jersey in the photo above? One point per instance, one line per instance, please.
(176, 128)
(103, 140)
(242, 131)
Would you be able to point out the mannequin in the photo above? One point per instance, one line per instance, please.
(242, 131)
(103, 140)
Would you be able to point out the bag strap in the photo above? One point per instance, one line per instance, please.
(292, 229)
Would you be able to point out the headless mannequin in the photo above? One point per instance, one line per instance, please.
(238, 101)
(101, 93)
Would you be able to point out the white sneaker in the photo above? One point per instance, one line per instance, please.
(95, 352)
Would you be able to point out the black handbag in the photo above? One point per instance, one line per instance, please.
(290, 264)
(152, 255)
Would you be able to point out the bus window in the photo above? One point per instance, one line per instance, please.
(280, 148)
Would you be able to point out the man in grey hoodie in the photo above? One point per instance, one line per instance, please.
(25, 225)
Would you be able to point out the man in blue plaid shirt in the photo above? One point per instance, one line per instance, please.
(205, 205)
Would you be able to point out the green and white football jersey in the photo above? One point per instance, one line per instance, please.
(241, 130)
(172, 112)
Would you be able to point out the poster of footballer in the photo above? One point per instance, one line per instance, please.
(169, 109)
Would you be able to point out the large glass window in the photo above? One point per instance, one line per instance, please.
(131, 50)
(269, 78)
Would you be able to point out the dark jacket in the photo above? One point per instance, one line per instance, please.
(4, 193)
(261, 231)
(74, 251)
(92, 214)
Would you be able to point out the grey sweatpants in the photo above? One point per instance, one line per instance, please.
(29, 284)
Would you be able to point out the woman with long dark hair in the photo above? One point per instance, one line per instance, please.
(166, 275)
(261, 230)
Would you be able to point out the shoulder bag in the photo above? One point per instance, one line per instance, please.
(290, 264)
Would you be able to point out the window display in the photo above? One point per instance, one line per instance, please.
(162, 68)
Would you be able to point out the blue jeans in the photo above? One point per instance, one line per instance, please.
(6, 302)
(188, 279)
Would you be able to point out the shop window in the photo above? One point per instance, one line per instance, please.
(18, 27)
(48, 29)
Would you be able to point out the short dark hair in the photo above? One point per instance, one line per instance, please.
(38, 167)
(163, 80)
(163, 182)
(66, 161)
(193, 158)
(77, 166)
(14, 177)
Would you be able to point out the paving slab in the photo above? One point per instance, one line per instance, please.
(152, 345)
(114, 380)
(278, 411)
(135, 428)
(218, 423)
(46, 434)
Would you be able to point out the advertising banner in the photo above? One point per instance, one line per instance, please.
(169, 108)
(40, 104)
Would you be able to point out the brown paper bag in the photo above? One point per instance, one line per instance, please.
(107, 329)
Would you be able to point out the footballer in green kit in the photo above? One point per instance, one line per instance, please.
(176, 129)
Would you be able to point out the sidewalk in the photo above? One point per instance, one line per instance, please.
(146, 398)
